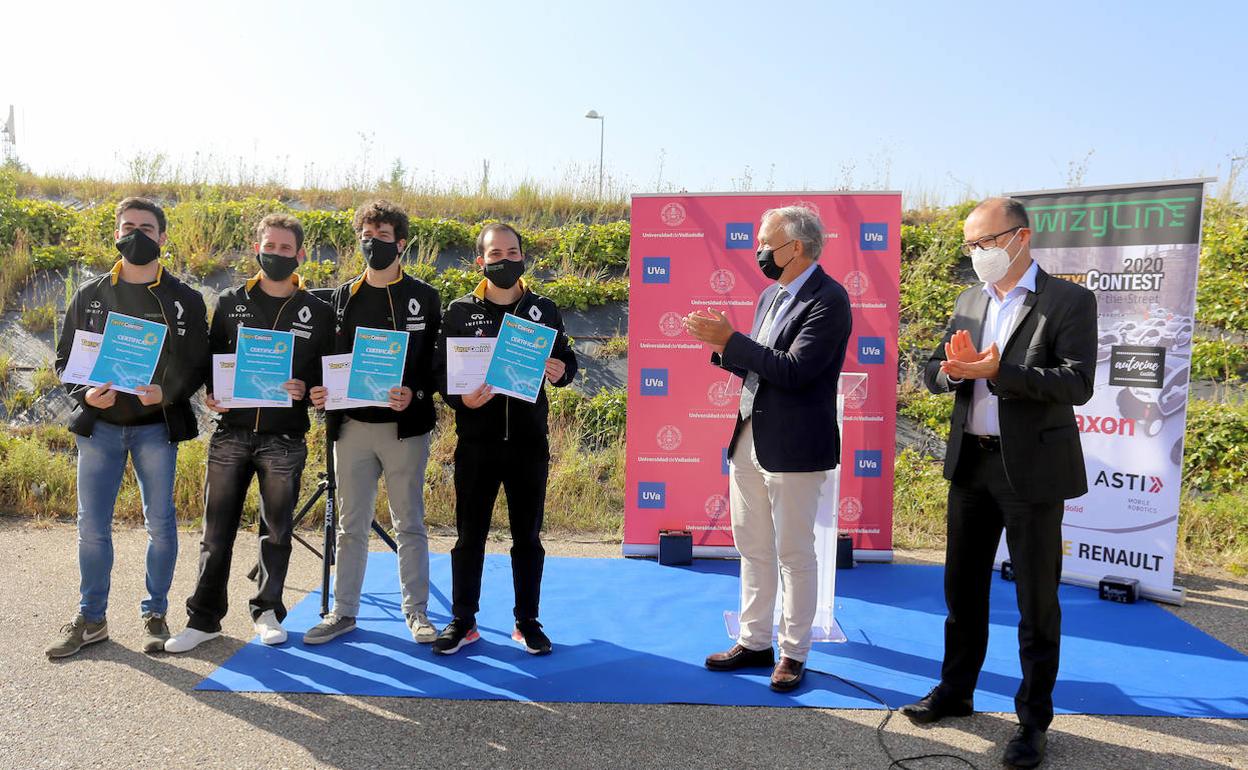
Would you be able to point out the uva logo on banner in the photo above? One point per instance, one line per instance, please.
(654, 382)
(651, 494)
(669, 438)
(868, 463)
(715, 507)
(723, 281)
(856, 283)
(739, 235)
(870, 350)
(873, 236)
(856, 396)
(656, 270)
(721, 393)
(671, 324)
(673, 214)
(850, 510)
(1132, 482)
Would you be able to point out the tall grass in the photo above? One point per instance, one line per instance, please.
(15, 268)
(528, 202)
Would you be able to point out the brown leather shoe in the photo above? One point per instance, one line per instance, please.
(788, 674)
(741, 657)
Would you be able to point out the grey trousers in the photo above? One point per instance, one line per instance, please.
(364, 453)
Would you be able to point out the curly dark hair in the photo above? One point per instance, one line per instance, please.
(383, 212)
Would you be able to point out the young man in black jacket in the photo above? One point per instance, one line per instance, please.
(110, 426)
(392, 441)
(502, 441)
(265, 442)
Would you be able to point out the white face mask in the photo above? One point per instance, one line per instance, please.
(991, 265)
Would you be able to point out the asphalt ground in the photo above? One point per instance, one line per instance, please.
(112, 706)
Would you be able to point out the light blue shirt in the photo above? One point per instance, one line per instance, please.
(792, 289)
(982, 419)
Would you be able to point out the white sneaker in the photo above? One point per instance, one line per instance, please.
(270, 630)
(422, 630)
(189, 639)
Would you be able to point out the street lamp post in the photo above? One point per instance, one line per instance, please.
(602, 131)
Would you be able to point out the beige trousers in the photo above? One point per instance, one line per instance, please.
(773, 526)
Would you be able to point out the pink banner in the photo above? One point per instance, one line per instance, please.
(697, 251)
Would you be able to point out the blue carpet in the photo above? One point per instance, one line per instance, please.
(631, 631)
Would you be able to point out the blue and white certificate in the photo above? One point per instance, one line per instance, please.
(377, 360)
(129, 351)
(519, 362)
(263, 361)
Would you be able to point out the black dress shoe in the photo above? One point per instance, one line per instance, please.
(737, 657)
(934, 707)
(787, 675)
(1026, 748)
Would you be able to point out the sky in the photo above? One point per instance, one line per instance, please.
(938, 100)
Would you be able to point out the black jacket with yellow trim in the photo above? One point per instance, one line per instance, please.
(183, 366)
(417, 310)
(311, 321)
(502, 418)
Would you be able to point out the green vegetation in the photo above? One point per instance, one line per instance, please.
(919, 498)
(1215, 448)
(579, 247)
(614, 347)
(39, 318)
(1219, 360)
(1222, 291)
(585, 494)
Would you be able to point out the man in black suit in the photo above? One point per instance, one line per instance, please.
(785, 440)
(1013, 458)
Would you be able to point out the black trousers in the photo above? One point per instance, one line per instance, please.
(234, 456)
(981, 504)
(480, 468)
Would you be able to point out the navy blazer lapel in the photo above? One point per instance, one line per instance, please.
(764, 302)
(795, 307)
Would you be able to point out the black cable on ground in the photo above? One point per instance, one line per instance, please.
(899, 762)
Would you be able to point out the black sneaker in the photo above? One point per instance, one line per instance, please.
(530, 634)
(458, 634)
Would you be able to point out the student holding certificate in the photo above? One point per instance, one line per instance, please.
(392, 440)
(262, 441)
(502, 442)
(144, 426)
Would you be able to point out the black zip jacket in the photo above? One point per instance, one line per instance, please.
(311, 321)
(183, 365)
(416, 309)
(502, 418)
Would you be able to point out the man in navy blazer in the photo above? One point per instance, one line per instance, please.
(785, 439)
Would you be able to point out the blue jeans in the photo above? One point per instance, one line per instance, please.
(101, 465)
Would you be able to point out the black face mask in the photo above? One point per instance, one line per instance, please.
(767, 263)
(505, 273)
(380, 254)
(137, 248)
(277, 267)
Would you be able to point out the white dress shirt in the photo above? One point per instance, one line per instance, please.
(982, 419)
(792, 289)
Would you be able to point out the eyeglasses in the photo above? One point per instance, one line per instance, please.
(987, 242)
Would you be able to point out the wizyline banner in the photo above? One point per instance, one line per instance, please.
(691, 252)
(1137, 247)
